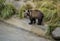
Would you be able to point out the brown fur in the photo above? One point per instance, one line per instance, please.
(35, 14)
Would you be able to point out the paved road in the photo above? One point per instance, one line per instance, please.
(12, 33)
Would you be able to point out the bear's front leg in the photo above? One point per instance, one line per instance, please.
(31, 21)
(39, 21)
(34, 20)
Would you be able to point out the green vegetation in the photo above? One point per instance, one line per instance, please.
(21, 12)
(7, 10)
(23, 8)
(2, 5)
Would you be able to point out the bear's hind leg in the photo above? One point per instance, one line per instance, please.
(39, 21)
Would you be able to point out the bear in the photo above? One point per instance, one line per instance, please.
(33, 15)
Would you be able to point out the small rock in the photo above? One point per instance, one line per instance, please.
(56, 33)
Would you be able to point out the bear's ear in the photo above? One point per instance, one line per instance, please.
(30, 10)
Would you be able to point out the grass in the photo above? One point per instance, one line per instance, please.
(7, 11)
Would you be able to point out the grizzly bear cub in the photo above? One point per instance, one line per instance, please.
(33, 15)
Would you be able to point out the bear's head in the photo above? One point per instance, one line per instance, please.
(27, 13)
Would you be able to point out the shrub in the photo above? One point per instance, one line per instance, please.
(2, 5)
(2, 1)
(48, 14)
(21, 12)
(8, 11)
(51, 29)
(28, 6)
(23, 8)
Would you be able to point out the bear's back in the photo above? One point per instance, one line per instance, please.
(35, 13)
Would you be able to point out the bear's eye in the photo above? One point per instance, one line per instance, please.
(28, 10)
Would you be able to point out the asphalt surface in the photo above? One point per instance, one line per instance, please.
(12, 33)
